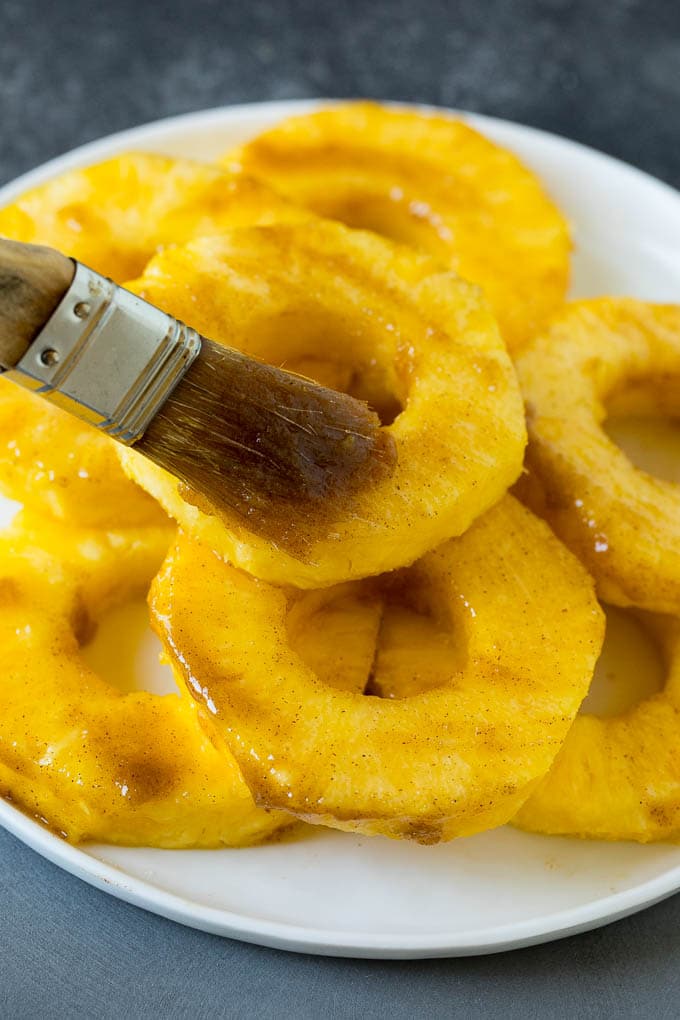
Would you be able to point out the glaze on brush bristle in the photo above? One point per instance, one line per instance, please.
(282, 452)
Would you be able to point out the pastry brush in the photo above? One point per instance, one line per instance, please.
(282, 452)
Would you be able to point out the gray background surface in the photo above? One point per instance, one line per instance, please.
(607, 74)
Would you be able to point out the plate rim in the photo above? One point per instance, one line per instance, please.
(277, 934)
(323, 942)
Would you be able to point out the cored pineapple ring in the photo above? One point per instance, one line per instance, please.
(448, 762)
(112, 216)
(413, 336)
(115, 215)
(433, 182)
(621, 522)
(619, 777)
(92, 762)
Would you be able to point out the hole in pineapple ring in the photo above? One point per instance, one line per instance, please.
(363, 385)
(643, 419)
(377, 383)
(380, 639)
(414, 223)
(124, 651)
(629, 670)
(651, 443)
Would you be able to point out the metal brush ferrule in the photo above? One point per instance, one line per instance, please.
(107, 356)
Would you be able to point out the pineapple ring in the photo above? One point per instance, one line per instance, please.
(413, 336)
(112, 216)
(448, 762)
(89, 761)
(115, 215)
(431, 182)
(619, 777)
(622, 523)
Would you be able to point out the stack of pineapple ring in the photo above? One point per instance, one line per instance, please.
(417, 670)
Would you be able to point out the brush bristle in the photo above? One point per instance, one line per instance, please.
(285, 454)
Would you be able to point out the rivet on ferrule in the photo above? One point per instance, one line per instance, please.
(107, 356)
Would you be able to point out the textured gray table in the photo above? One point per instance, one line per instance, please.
(606, 74)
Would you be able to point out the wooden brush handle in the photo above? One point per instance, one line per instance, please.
(33, 280)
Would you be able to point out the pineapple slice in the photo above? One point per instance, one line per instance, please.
(115, 215)
(619, 777)
(413, 336)
(87, 760)
(622, 523)
(526, 631)
(431, 182)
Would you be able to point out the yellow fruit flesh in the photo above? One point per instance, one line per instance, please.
(59, 466)
(92, 763)
(621, 522)
(417, 338)
(452, 761)
(431, 182)
(619, 777)
(115, 215)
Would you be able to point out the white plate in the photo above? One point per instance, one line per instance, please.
(339, 894)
